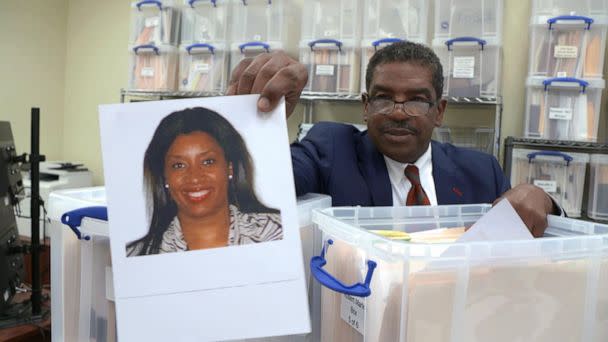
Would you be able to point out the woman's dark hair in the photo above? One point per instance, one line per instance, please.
(240, 190)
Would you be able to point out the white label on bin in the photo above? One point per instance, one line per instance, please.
(324, 70)
(203, 68)
(464, 67)
(152, 21)
(147, 72)
(565, 51)
(562, 74)
(257, 38)
(560, 113)
(352, 311)
(548, 186)
(330, 33)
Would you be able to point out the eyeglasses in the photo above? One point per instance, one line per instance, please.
(379, 105)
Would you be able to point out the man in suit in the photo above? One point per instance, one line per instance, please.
(394, 162)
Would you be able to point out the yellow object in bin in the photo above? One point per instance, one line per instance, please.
(393, 234)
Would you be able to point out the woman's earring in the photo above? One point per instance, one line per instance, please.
(166, 186)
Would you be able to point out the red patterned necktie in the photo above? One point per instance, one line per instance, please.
(416, 196)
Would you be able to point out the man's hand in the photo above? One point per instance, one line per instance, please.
(532, 204)
(273, 75)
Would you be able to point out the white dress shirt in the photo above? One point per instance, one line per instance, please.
(401, 185)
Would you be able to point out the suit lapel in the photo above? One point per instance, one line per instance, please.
(448, 186)
(373, 168)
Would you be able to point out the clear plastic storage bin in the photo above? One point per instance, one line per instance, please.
(471, 66)
(333, 66)
(405, 19)
(204, 21)
(155, 22)
(368, 49)
(552, 8)
(81, 276)
(153, 68)
(336, 19)
(203, 67)
(597, 206)
(250, 49)
(560, 174)
(258, 21)
(476, 138)
(568, 46)
(563, 108)
(543, 290)
(475, 18)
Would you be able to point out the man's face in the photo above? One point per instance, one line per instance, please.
(398, 135)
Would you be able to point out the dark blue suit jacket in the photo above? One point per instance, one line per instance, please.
(340, 161)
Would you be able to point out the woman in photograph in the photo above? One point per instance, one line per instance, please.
(198, 179)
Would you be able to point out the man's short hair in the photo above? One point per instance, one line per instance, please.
(407, 52)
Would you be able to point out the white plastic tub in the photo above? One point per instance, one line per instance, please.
(552, 8)
(542, 290)
(153, 68)
(563, 108)
(155, 22)
(560, 174)
(471, 66)
(336, 19)
(333, 66)
(204, 21)
(203, 67)
(258, 21)
(472, 18)
(568, 46)
(597, 207)
(81, 275)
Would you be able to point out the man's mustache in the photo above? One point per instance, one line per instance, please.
(400, 125)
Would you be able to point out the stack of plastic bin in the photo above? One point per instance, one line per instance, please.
(567, 48)
(477, 138)
(155, 28)
(81, 275)
(597, 206)
(468, 42)
(562, 175)
(543, 290)
(330, 37)
(388, 21)
(257, 27)
(203, 51)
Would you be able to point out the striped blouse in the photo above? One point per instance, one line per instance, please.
(245, 228)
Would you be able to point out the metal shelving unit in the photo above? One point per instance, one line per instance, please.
(309, 99)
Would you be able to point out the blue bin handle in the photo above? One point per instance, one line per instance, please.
(245, 2)
(567, 158)
(191, 2)
(210, 47)
(144, 47)
(451, 42)
(584, 84)
(376, 43)
(73, 218)
(326, 41)
(250, 44)
(587, 20)
(149, 2)
(329, 281)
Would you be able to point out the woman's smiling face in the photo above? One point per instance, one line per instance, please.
(197, 172)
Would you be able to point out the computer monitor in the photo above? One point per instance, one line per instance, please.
(11, 186)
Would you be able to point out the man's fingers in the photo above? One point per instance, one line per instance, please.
(288, 82)
(248, 76)
(236, 75)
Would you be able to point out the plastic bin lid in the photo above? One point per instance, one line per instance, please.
(151, 48)
(328, 43)
(541, 20)
(489, 41)
(537, 81)
(190, 3)
(522, 153)
(272, 45)
(62, 201)
(599, 159)
(148, 3)
(202, 47)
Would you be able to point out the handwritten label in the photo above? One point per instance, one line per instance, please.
(203, 68)
(560, 113)
(464, 67)
(147, 72)
(324, 70)
(548, 186)
(152, 22)
(565, 51)
(352, 311)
